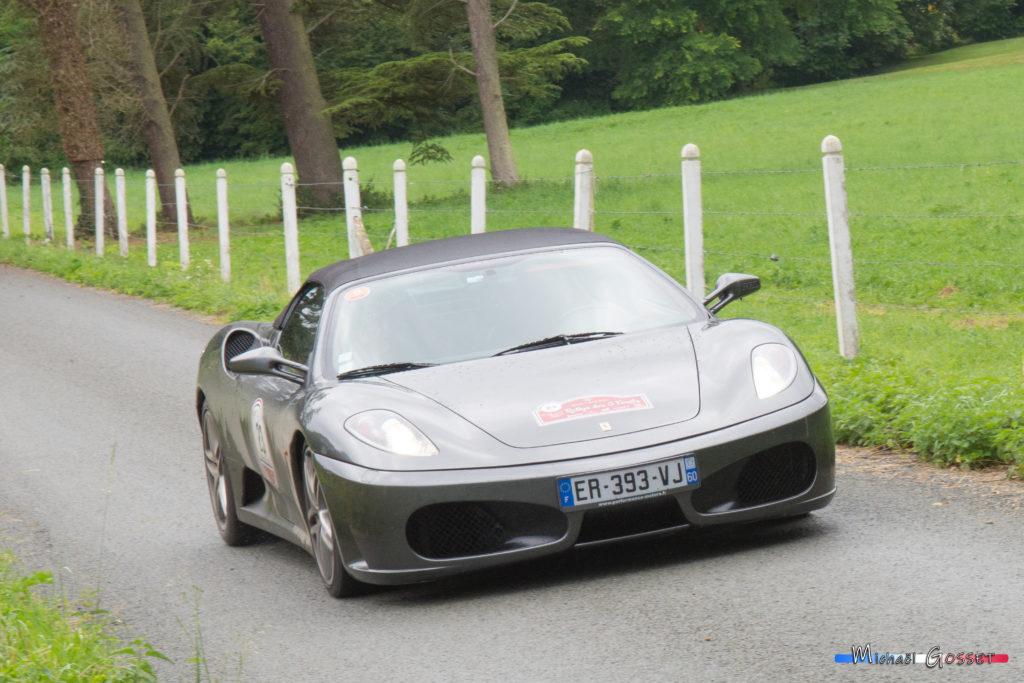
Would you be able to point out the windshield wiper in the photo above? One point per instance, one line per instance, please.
(382, 369)
(557, 340)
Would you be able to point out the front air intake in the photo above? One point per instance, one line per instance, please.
(630, 519)
(238, 342)
(764, 477)
(447, 530)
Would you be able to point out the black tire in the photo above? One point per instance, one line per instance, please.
(338, 582)
(218, 482)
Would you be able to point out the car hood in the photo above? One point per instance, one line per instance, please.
(589, 390)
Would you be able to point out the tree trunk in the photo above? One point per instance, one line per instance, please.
(157, 127)
(488, 83)
(309, 131)
(76, 111)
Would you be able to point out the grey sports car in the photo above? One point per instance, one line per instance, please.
(479, 400)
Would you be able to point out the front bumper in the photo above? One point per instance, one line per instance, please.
(405, 527)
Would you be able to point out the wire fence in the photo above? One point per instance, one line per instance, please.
(931, 238)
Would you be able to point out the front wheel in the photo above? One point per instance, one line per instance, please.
(338, 582)
(219, 483)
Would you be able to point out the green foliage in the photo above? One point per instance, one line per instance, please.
(941, 418)
(29, 133)
(932, 24)
(760, 26)
(989, 19)
(533, 72)
(422, 93)
(665, 55)
(425, 152)
(434, 92)
(662, 52)
(842, 38)
(44, 639)
(217, 81)
(230, 94)
(393, 69)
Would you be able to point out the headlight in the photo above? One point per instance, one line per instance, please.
(389, 432)
(774, 367)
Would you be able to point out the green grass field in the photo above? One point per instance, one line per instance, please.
(935, 162)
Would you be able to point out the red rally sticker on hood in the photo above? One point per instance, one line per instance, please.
(589, 406)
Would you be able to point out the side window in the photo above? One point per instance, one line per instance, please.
(299, 330)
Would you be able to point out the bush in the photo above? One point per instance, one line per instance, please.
(942, 419)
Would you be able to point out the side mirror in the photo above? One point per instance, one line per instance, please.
(729, 287)
(268, 361)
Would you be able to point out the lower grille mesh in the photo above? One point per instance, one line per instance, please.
(773, 474)
(464, 529)
(628, 519)
(455, 530)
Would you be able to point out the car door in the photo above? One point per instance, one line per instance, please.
(272, 418)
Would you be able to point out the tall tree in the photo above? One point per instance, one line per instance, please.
(73, 97)
(310, 135)
(429, 86)
(157, 128)
(488, 83)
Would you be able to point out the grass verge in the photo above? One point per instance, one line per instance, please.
(45, 639)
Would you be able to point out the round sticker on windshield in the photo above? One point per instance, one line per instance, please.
(357, 294)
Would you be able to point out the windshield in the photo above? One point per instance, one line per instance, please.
(459, 312)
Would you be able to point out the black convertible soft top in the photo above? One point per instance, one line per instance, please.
(450, 249)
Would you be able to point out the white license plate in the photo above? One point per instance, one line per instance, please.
(601, 488)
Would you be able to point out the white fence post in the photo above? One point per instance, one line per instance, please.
(478, 196)
(401, 204)
(289, 213)
(353, 205)
(693, 221)
(583, 204)
(182, 205)
(839, 242)
(98, 214)
(26, 200)
(151, 218)
(69, 228)
(222, 225)
(122, 215)
(3, 203)
(44, 183)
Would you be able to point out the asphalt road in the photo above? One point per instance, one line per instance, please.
(101, 482)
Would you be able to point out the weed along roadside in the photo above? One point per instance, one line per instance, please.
(933, 206)
(51, 638)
